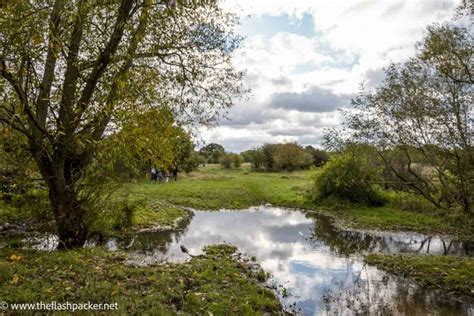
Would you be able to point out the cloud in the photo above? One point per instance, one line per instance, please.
(315, 99)
(306, 58)
(281, 81)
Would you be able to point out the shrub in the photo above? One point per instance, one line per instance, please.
(320, 157)
(291, 157)
(349, 177)
(237, 160)
(226, 161)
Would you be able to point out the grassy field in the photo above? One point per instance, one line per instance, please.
(449, 273)
(214, 284)
(212, 187)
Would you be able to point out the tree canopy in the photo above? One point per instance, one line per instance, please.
(73, 72)
(420, 119)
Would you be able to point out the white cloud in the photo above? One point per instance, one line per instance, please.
(352, 42)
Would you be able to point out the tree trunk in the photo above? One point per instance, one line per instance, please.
(68, 212)
(69, 217)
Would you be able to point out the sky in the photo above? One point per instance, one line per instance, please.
(306, 59)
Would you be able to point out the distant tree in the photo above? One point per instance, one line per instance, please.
(420, 120)
(349, 176)
(213, 152)
(237, 160)
(256, 158)
(192, 162)
(247, 155)
(226, 161)
(268, 152)
(71, 72)
(291, 157)
(320, 157)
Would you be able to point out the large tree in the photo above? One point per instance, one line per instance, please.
(420, 119)
(72, 71)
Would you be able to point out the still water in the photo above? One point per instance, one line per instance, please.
(319, 266)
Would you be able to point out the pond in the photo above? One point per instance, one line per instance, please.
(319, 265)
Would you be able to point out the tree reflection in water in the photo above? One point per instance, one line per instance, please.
(345, 242)
(371, 294)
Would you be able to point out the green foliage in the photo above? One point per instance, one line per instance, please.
(229, 161)
(237, 160)
(256, 157)
(212, 152)
(226, 161)
(192, 162)
(290, 157)
(279, 157)
(320, 157)
(18, 172)
(268, 155)
(348, 177)
(150, 138)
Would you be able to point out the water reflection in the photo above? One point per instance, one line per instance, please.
(320, 265)
(346, 242)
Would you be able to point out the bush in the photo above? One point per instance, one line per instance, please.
(237, 160)
(320, 157)
(350, 178)
(290, 157)
(226, 161)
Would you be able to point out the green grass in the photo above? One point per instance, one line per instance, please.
(156, 213)
(214, 284)
(449, 273)
(214, 188)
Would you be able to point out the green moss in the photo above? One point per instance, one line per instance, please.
(449, 273)
(212, 284)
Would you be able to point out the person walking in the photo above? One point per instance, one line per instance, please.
(175, 173)
(166, 176)
(153, 173)
(159, 175)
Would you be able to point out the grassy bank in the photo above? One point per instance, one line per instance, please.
(212, 187)
(214, 284)
(448, 273)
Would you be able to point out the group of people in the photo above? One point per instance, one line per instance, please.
(163, 175)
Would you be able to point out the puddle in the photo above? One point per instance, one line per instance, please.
(320, 265)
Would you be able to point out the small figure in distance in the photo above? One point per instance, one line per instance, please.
(154, 174)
